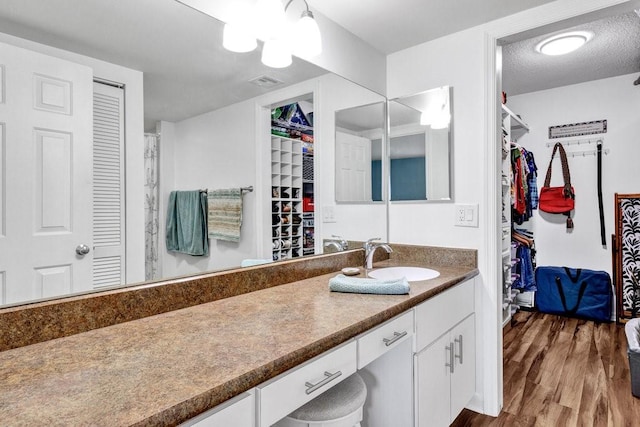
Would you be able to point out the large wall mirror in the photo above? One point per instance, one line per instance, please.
(202, 108)
(420, 141)
(359, 137)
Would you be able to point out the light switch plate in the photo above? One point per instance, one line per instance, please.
(328, 214)
(466, 215)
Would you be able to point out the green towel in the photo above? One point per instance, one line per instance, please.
(357, 285)
(186, 223)
(225, 214)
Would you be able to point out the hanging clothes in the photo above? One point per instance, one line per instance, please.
(524, 188)
(524, 261)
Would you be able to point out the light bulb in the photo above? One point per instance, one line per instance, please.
(276, 53)
(308, 41)
(269, 18)
(236, 38)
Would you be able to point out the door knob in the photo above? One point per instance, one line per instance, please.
(82, 249)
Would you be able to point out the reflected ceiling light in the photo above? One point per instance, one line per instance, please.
(564, 43)
(276, 53)
(442, 120)
(436, 114)
(267, 22)
(236, 39)
(269, 18)
(307, 32)
(238, 35)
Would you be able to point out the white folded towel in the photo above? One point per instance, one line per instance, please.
(342, 283)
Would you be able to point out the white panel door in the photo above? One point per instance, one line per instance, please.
(46, 170)
(353, 163)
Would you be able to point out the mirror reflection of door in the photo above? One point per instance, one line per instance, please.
(46, 160)
(358, 138)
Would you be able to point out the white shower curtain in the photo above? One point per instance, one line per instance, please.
(151, 151)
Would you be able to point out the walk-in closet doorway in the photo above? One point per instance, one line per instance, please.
(567, 16)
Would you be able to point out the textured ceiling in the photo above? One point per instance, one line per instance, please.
(613, 51)
(390, 26)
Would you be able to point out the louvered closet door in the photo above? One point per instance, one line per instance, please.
(108, 186)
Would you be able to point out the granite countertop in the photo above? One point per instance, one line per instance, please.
(167, 368)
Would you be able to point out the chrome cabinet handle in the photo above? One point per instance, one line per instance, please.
(449, 348)
(459, 341)
(396, 337)
(329, 377)
(82, 249)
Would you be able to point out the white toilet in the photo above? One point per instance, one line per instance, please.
(340, 406)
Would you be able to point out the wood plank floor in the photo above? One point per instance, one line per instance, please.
(563, 372)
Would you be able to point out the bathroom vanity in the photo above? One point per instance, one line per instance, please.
(252, 358)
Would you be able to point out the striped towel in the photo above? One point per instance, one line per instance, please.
(224, 217)
(357, 285)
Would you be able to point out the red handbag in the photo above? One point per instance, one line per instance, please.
(558, 200)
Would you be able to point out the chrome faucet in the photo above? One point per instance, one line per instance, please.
(370, 248)
(338, 243)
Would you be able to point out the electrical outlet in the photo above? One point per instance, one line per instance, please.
(466, 215)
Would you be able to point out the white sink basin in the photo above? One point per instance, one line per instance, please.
(413, 274)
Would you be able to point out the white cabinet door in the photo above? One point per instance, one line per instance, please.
(236, 412)
(433, 384)
(463, 380)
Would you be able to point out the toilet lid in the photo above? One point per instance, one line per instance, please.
(337, 402)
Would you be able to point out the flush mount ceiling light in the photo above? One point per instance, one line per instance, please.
(267, 22)
(564, 43)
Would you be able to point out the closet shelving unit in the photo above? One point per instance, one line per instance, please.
(308, 207)
(512, 129)
(286, 197)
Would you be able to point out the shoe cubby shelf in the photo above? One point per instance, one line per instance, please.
(288, 239)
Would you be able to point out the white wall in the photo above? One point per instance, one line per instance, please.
(614, 99)
(213, 151)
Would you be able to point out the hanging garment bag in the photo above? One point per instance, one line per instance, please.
(574, 292)
(558, 200)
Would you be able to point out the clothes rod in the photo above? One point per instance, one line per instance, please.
(577, 142)
(585, 153)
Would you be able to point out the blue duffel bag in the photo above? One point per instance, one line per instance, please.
(574, 292)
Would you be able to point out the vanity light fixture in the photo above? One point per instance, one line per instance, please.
(564, 43)
(267, 22)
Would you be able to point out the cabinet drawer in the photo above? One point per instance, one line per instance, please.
(385, 337)
(294, 388)
(437, 315)
(238, 411)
